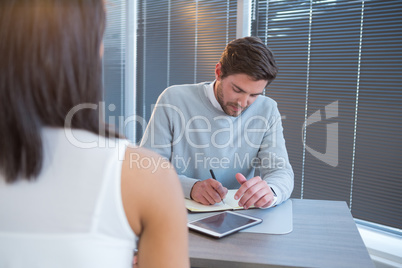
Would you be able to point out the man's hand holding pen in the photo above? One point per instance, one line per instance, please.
(208, 192)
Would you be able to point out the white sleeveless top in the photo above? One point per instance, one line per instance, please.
(71, 215)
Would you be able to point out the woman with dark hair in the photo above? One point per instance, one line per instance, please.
(73, 193)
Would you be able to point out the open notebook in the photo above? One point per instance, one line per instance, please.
(230, 204)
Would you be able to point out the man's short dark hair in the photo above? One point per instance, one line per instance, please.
(250, 56)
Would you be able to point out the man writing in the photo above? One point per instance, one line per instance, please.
(228, 126)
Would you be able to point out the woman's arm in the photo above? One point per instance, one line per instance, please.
(154, 204)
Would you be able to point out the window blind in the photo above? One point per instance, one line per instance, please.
(113, 61)
(118, 66)
(179, 42)
(339, 89)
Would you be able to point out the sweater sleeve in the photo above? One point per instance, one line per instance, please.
(160, 134)
(187, 185)
(275, 167)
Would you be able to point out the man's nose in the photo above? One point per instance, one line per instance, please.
(243, 100)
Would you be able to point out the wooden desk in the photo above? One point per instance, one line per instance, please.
(324, 235)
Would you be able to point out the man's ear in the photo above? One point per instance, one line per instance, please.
(218, 71)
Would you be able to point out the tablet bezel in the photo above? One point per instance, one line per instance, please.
(215, 234)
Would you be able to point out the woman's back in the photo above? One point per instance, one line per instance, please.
(72, 214)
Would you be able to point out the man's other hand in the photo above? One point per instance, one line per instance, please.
(254, 191)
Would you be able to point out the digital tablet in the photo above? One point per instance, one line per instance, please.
(222, 224)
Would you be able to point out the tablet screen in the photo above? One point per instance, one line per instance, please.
(223, 223)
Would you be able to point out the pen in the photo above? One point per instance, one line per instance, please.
(213, 176)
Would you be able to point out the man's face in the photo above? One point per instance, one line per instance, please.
(235, 93)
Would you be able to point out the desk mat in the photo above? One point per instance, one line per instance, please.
(276, 220)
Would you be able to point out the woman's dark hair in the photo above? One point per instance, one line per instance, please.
(50, 62)
(250, 56)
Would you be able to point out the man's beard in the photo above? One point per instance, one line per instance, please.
(227, 106)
